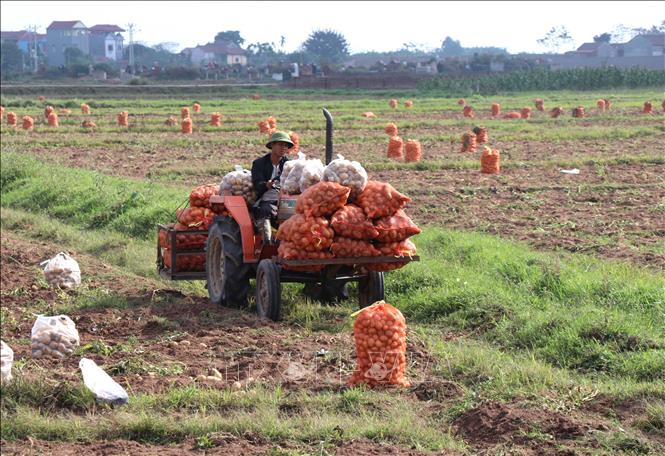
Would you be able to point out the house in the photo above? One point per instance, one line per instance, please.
(106, 43)
(599, 49)
(225, 53)
(25, 40)
(652, 44)
(61, 35)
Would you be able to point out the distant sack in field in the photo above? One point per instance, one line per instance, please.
(62, 271)
(6, 360)
(104, 388)
(53, 336)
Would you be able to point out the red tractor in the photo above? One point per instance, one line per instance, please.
(235, 253)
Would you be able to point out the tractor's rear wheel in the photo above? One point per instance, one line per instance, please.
(268, 291)
(226, 272)
(370, 289)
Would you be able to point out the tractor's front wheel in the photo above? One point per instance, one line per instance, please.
(268, 290)
(226, 271)
(370, 289)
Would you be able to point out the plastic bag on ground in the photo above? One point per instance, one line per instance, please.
(53, 336)
(102, 386)
(347, 173)
(62, 271)
(6, 361)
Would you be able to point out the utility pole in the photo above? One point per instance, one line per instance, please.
(130, 27)
(33, 56)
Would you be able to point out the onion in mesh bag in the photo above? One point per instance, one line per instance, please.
(239, 183)
(347, 173)
(312, 172)
(290, 184)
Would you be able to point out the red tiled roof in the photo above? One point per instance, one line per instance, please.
(106, 28)
(62, 25)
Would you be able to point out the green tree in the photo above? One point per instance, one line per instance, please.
(451, 48)
(232, 36)
(602, 38)
(75, 56)
(11, 57)
(556, 38)
(326, 45)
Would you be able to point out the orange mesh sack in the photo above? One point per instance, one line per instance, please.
(512, 115)
(481, 134)
(405, 248)
(184, 113)
(369, 115)
(540, 106)
(123, 118)
(468, 111)
(2, 112)
(578, 112)
(496, 109)
(468, 142)
(53, 120)
(413, 151)
(195, 217)
(489, 161)
(216, 119)
(392, 103)
(85, 109)
(351, 222)
(601, 105)
(272, 122)
(322, 199)
(648, 108)
(308, 234)
(395, 146)
(12, 119)
(380, 199)
(391, 129)
(295, 139)
(196, 107)
(186, 125)
(379, 333)
(200, 196)
(395, 228)
(183, 239)
(28, 123)
(263, 126)
(408, 104)
(351, 248)
(188, 262)
(556, 112)
(348, 173)
(525, 113)
(47, 111)
(290, 251)
(461, 102)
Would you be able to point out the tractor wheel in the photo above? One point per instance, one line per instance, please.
(370, 289)
(227, 273)
(268, 291)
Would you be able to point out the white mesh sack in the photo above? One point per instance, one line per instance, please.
(312, 172)
(6, 361)
(239, 183)
(347, 173)
(291, 183)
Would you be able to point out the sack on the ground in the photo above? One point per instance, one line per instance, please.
(379, 333)
(62, 271)
(6, 361)
(53, 336)
(102, 386)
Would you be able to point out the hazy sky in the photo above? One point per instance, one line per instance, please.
(366, 25)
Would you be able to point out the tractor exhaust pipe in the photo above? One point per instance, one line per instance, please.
(329, 135)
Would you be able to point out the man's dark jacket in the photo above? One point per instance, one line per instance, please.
(262, 170)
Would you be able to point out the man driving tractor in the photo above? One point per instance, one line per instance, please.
(266, 172)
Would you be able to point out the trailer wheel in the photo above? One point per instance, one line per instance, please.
(268, 291)
(370, 289)
(226, 272)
